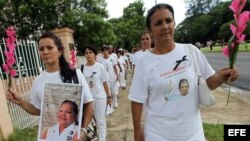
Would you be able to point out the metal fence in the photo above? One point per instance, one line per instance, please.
(28, 66)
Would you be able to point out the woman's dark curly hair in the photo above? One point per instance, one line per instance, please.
(67, 74)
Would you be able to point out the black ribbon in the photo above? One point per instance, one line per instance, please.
(93, 73)
(178, 62)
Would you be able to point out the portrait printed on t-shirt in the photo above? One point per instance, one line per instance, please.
(183, 87)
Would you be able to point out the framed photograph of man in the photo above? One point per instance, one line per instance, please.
(61, 112)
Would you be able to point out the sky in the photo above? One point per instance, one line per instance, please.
(115, 7)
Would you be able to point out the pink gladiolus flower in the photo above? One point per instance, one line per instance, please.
(233, 28)
(10, 31)
(6, 68)
(237, 5)
(9, 54)
(72, 59)
(241, 20)
(241, 38)
(11, 47)
(225, 51)
(10, 61)
(11, 40)
(12, 72)
(240, 30)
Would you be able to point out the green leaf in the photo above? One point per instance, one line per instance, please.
(231, 51)
(236, 49)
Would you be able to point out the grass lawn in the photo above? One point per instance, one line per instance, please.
(28, 134)
(213, 132)
(242, 48)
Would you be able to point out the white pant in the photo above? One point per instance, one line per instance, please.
(122, 79)
(99, 112)
(114, 90)
(116, 87)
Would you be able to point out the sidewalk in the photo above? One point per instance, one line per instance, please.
(236, 112)
(120, 126)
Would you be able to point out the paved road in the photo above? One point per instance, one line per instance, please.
(217, 60)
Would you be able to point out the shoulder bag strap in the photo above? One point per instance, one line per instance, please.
(82, 68)
(75, 77)
(195, 59)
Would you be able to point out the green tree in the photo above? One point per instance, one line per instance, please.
(86, 17)
(201, 26)
(129, 27)
(183, 31)
(213, 25)
(197, 7)
(224, 31)
(93, 30)
(97, 7)
(30, 16)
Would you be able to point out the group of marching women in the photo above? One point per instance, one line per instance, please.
(172, 113)
(101, 76)
(104, 73)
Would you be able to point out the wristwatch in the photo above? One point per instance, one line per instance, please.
(108, 97)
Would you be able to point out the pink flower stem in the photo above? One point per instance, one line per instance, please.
(229, 90)
(10, 81)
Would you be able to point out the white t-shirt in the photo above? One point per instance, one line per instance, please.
(114, 55)
(67, 134)
(137, 55)
(169, 116)
(98, 56)
(132, 57)
(128, 55)
(122, 62)
(95, 76)
(46, 77)
(109, 64)
(125, 57)
(116, 58)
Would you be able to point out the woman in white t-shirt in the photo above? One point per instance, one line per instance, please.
(112, 53)
(57, 70)
(145, 44)
(110, 64)
(169, 116)
(97, 79)
(123, 65)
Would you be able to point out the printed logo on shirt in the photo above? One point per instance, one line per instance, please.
(181, 66)
(168, 92)
(91, 82)
(183, 87)
(107, 67)
(173, 72)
